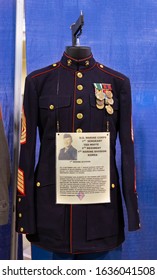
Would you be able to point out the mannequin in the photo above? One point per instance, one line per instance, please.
(90, 99)
(78, 52)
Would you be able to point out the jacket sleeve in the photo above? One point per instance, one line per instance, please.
(4, 175)
(25, 211)
(127, 156)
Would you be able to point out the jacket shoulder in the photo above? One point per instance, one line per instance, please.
(43, 71)
(112, 72)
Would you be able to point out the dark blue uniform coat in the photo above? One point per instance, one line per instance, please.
(61, 97)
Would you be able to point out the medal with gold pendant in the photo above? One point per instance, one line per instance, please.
(100, 96)
(100, 106)
(109, 109)
(109, 101)
(107, 89)
(109, 93)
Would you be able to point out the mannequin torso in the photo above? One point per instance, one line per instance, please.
(78, 52)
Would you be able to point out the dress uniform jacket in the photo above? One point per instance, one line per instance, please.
(61, 97)
(4, 175)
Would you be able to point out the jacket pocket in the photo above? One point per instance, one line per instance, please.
(54, 102)
(55, 111)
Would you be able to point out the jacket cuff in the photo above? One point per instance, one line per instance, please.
(133, 213)
(25, 216)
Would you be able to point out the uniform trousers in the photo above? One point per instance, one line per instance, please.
(41, 254)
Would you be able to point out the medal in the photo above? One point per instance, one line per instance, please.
(103, 94)
(109, 101)
(100, 102)
(99, 94)
(109, 109)
(100, 106)
(109, 93)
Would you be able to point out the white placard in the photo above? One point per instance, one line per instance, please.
(82, 168)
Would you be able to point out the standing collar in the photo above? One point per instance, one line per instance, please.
(77, 64)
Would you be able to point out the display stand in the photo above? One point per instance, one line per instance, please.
(17, 119)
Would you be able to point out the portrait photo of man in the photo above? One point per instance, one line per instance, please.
(68, 152)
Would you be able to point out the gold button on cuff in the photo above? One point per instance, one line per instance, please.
(69, 61)
(78, 130)
(51, 107)
(80, 87)
(87, 62)
(19, 199)
(38, 184)
(21, 229)
(113, 186)
(79, 116)
(20, 215)
(101, 66)
(54, 65)
(79, 101)
(79, 75)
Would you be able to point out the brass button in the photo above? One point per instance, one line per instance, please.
(79, 101)
(78, 130)
(79, 75)
(80, 87)
(21, 229)
(69, 61)
(113, 186)
(87, 62)
(20, 215)
(38, 184)
(54, 65)
(51, 107)
(79, 116)
(101, 66)
(19, 199)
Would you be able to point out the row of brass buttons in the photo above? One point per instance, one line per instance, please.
(79, 101)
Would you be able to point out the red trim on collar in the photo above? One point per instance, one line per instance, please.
(78, 60)
(81, 70)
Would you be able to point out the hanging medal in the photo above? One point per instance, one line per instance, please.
(104, 97)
